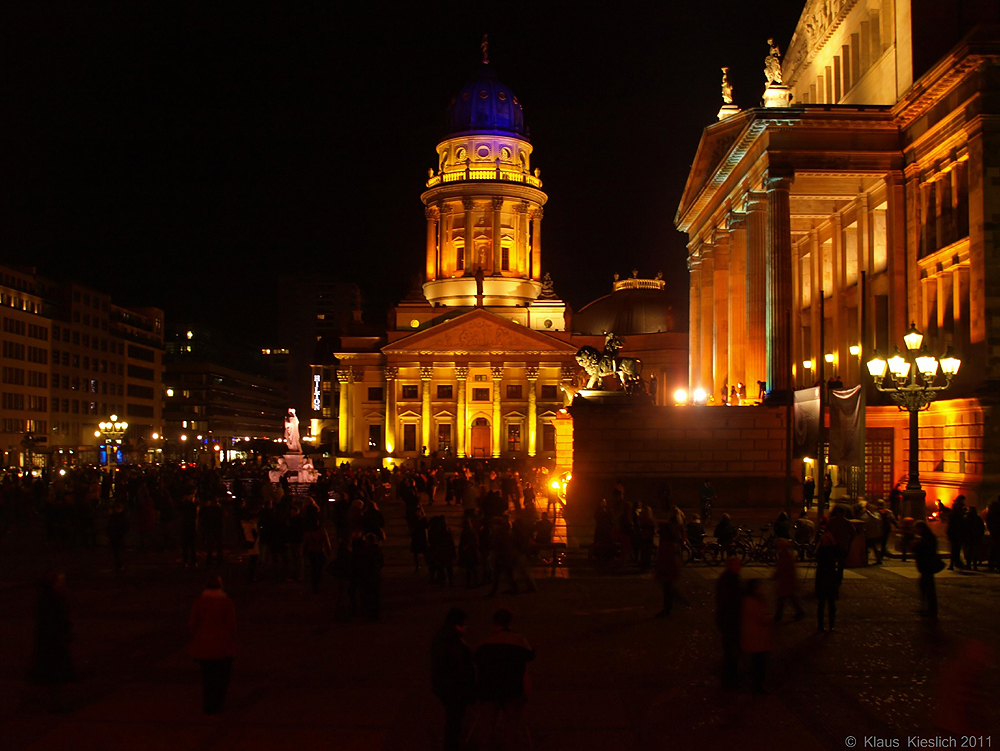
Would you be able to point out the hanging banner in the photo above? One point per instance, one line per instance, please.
(846, 446)
(806, 415)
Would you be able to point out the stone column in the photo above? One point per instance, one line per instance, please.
(344, 416)
(756, 360)
(737, 298)
(520, 237)
(495, 261)
(694, 325)
(391, 373)
(497, 372)
(835, 343)
(468, 204)
(705, 373)
(720, 315)
(779, 283)
(815, 322)
(462, 418)
(536, 244)
(426, 373)
(442, 260)
(531, 373)
(431, 270)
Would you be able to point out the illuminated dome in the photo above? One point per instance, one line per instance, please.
(485, 105)
(636, 306)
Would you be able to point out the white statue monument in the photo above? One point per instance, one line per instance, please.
(728, 108)
(777, 94)
(292, 433)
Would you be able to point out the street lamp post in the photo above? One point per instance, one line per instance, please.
(112, 430)
(912, 388)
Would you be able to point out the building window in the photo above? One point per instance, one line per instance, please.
(514, 391)
(375, 394)
(550, 391)
(444, 436)
(505, 258)
(514, 437)
(375, 436)
(409, 437)
(480, 378)
(445, 392)
(548, 437)
(410, 392)
(480, 395)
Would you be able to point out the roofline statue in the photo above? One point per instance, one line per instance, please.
(600, 364)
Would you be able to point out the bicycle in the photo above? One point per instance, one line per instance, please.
(707, 552)
(756, 550)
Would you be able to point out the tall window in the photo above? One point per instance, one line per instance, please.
(550, 391)
(480, 395)
(444, 436)
(514, 437)
(548, 437)
(410, 437)
(514, 391)
(445, 391)
(505, 258)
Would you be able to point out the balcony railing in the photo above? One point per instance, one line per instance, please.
(498, 175)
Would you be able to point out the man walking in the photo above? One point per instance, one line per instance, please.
(213, 642)
(453, 674)
(502, 659)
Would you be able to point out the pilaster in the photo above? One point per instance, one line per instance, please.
(462, 418)
(426, 374)
(779, 283)
(531, 373)
(497, 372)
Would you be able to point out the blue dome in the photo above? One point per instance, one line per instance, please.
(485, 105)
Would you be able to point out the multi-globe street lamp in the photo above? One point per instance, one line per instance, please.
(912, 387)
(112, 431)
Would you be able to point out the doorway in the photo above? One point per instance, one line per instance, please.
(480, 438)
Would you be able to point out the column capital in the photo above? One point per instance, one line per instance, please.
(756, 200)
(431, 212)
(736, 220)
(568, 372)
(778, 179)
(497, 372)
(531, 372)
(497, 203)
(462, 372)
(391, 372)
(521, 208)
(537, 213)
(344, 376)
(357, 374)
(426, 372)
(468, 204)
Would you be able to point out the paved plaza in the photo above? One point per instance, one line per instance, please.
(608, 674)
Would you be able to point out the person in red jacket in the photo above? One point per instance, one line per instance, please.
(213, 642)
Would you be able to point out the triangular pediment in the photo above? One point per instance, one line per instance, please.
(480, 332)
(714, 150)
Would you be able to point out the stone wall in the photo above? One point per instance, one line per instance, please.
(660, 452)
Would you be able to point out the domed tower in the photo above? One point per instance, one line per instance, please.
(484, 204)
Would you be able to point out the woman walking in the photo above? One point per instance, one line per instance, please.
(827, 580)
(213, 642)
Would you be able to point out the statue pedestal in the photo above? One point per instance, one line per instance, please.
(777, 95)
(599, 396)
(297, 470)
(728, 110)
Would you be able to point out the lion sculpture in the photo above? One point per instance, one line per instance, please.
(599, 365)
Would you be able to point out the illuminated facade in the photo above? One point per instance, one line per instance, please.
(821, 230)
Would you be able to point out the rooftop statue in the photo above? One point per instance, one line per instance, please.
(772, 65)
(727, 89)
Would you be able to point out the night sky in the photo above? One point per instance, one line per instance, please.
(183, 155)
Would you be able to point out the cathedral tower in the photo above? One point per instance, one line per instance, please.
(484, 204)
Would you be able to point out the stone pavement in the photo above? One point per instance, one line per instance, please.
(608, 675)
